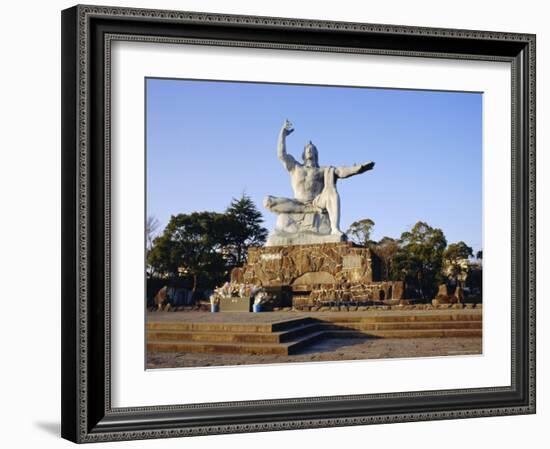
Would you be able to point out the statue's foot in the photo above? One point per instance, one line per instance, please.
(337, 232)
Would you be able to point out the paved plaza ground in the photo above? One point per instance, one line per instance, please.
(328, 349)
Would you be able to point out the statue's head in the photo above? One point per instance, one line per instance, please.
(310, 156)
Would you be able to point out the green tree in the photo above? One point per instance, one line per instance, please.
(456, 266)
(359, 231)
(386, 249)
(419, 259)
(248, 230)
(456, 251)
(479, 255)
(192, 244)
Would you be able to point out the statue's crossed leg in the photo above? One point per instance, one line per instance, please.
(282, 205)
(328, 201)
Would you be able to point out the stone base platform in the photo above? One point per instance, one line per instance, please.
(286, 334)
(281, 238)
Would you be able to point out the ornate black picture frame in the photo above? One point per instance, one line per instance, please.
(87, 413)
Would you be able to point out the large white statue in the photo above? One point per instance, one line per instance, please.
(313, 215)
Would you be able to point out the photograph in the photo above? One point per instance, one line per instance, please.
(278, 222)
(310, 223)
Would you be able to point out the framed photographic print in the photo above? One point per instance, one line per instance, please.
(278, 223)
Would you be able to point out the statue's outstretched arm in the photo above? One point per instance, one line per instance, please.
(288, 161)
(346, 172)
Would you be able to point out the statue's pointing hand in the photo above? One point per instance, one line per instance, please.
(366, 167)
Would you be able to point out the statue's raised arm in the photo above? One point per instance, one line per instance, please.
(288, 161)
(346, 172)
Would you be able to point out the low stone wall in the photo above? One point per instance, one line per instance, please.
(358, 292)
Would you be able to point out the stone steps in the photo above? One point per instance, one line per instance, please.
(408, 318)
(290, 336)
(236, 337)
(292, 333)
(404, 325)
(285, 348)
(227, 327)
(404, 333)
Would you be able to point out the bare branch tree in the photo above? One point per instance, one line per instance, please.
(151, 227)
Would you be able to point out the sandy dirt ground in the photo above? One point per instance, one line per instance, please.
(331, 349)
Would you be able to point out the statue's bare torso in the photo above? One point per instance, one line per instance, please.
(307, 182)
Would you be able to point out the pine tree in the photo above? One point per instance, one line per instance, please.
(249, 230)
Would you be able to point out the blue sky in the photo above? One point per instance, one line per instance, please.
(210, 141)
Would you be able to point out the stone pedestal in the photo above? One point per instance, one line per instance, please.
(327, 263)
(318, 273)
